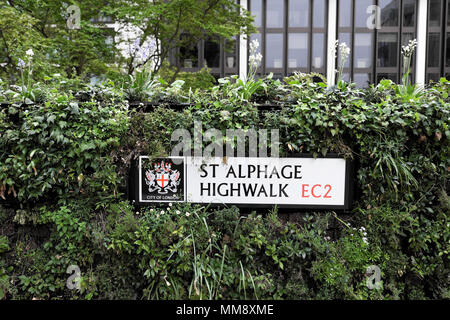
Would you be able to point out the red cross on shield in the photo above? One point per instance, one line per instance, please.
(162, 179)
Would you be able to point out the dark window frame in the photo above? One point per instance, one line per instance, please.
(220, 71)
(443, 30)
(400, 30)
(352, 30)
(446, 35)
(310, 30)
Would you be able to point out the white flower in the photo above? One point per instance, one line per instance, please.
(255, 57)
(170, 204)
(187, 214)
(30, 52)
(21, 64)
(151, 210)
(255, 60)
(344, 50)
(225, 114)
(177, 212)
(162, 212)
(254, 45)
(408, 50)
(167, 282)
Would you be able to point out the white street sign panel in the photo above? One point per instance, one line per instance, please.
(290, 182)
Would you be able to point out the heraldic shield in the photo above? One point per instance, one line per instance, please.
(163, 180)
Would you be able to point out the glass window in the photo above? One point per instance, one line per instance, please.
(293, 35)
(212, 54)
(409, 13)
(275, 13)
(274, 50)
(319, 14)
(387, 50)
(361, 79)
(257, 36)
(448, 51)
(298, 13)
(298, 50)
(435, 13)
(230, 53)
(361, 14)
(406, 37)
(345, 13)
(346, 77)
(438, 53)
(318, 50)
(256, 9)
(189, 55)
(448, 13)
(433, 77)
(363, 50)
(433, 49)
(389, 12)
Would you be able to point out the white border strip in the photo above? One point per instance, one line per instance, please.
(331, 60)
(243, 49)
(421, 60)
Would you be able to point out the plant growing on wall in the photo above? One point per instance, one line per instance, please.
(250, 85)
(42, 26)
(407, 91)
(344, 52)
(141, 86)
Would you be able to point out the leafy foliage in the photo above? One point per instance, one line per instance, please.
(177, 24)
(63, 162)
(58, 147)
(42, 26)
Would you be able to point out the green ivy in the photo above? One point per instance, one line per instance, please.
(63, 168)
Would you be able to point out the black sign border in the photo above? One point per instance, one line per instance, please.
(134, 188)
(139, 186)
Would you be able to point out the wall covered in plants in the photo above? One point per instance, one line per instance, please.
(64, 159)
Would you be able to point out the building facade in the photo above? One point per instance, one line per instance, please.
(299, 35)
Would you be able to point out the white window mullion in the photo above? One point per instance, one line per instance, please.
(243, 49)
(422, 17)
(332, 24)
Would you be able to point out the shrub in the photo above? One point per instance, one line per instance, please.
(59, 147)
(63, 165)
